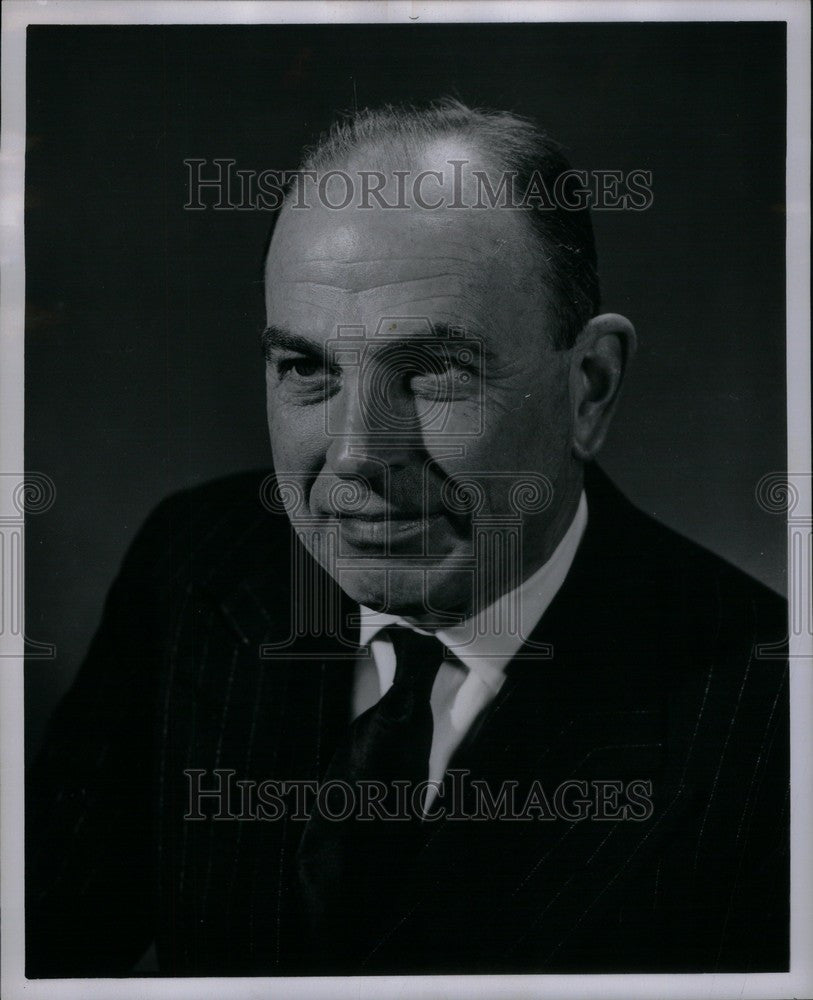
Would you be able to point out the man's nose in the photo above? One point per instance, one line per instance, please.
(359, 445)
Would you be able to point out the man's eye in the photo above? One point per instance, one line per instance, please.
(442, 379)
(303, 369)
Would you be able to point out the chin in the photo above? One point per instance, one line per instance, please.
(411, 593)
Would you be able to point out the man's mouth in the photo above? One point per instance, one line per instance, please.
(375, 531)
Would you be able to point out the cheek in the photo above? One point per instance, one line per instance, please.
(297, 434)
(538, 424)
(520, 443)
(532, 435)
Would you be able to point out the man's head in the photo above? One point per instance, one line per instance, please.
(425, 362)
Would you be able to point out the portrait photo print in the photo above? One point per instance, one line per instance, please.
(407, 573)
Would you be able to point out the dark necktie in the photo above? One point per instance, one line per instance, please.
(352, 871)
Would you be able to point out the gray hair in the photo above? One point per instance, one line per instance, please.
(514, 144)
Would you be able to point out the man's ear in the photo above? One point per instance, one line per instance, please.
(600, 357)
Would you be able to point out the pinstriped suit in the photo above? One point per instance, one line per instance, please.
(653, 676)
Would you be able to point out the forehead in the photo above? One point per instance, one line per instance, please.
(471, 269)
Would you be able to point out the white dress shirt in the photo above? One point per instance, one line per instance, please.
(466, 685)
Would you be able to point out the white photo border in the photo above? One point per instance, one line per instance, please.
(16, 16)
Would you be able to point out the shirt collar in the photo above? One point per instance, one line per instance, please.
(482, 645)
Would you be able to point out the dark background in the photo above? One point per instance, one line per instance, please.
(143, 370)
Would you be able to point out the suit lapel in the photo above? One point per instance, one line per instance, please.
(309, 659)
(252, 692)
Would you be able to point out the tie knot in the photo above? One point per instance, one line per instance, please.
(417, 658)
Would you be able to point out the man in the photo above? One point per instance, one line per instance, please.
(562, 745)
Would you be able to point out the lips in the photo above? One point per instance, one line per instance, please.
(382, 515)
(366, 530)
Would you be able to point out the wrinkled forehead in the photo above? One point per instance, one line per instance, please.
(466, 268)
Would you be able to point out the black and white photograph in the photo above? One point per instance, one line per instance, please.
(406, 529)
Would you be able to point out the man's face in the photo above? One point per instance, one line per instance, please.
(410, 370)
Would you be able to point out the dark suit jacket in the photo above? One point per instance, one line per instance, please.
(655, 675)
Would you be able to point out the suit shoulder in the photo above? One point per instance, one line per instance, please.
(223, 525)
(239, 493)
(709, 582)
(678, 583)
(712, 570)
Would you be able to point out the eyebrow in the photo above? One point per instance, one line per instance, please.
(278, 338)
(282, 339)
